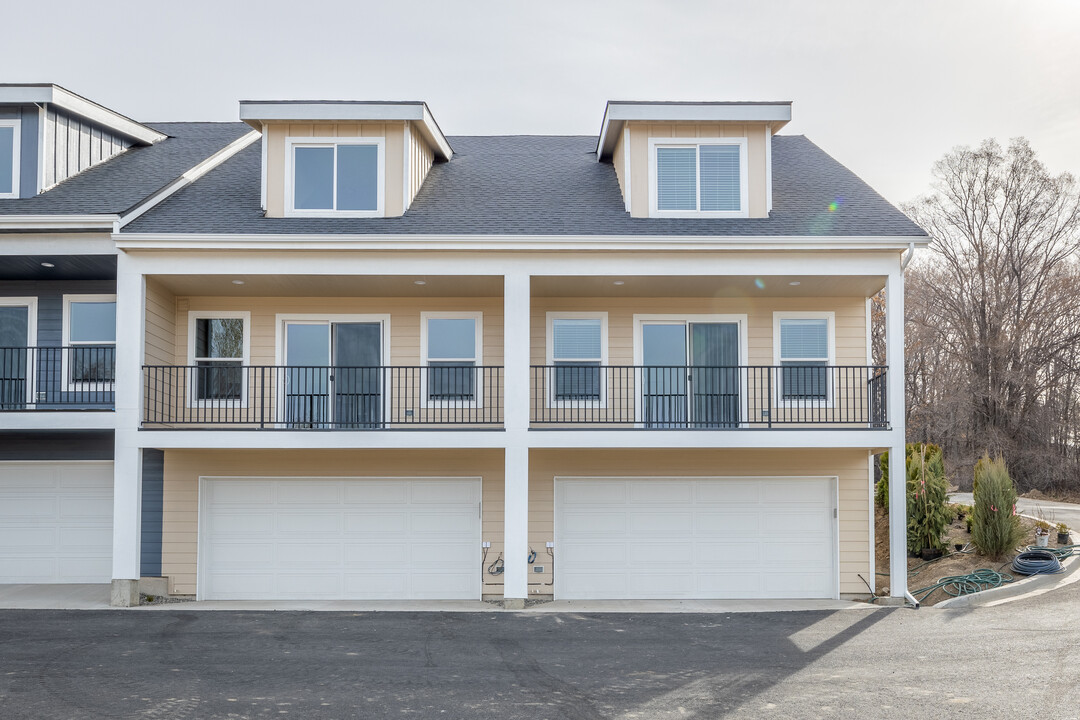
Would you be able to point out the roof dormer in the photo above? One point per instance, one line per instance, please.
(343, 158)
(693, 160)
(49, 134)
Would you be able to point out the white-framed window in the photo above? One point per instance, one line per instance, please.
(218, 349)
(18, 332)
(698, 177)
(89, 330)
(804, 347)
(10, 139)
(341, 177)
(451, 349)
(577, 353)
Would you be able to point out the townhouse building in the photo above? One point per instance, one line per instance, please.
(329, 352)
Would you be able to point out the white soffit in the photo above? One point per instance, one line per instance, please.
(257, 112)
(77, 105)
(618, 112)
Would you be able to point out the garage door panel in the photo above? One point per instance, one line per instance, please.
(659, 523)
(375, 554)
(76, 507)
(308, 554)
(587, 585)
(593, 493)
(376, 493)
(661, 553)
(247, 493)
(56, 522)
(664, 492)
(241, 555)
(28, 507)
(593, 524)
(309, 522)
(307, 493)
(695, 537)
(235, 523)
(594, 552)
(733, 524)
(443, 492)
(355, 543)
(85, 540)
(732, 492)
(376, 523)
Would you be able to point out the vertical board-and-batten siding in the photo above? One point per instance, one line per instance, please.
(73, 145)
(153, 477)
(420, 160)
(50, 296)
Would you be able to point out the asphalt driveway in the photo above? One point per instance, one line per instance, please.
(992, 662)
(1055, 512)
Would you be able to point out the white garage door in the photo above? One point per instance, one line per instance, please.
(641, 538)
(322, 538)
(56, 522)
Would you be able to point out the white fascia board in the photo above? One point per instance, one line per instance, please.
(863, 439)
(156, 241)
(190, 176)
(9, 223)
(58, 420)
(167, 439)
(78, 105)
(617, 113)
(256, 113)
(57, 243)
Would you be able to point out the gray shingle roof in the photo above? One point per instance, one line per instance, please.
(541, 185)
(121, 182)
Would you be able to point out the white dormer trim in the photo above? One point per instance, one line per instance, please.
(258, 112)
(77, 105)
(617, 113)
(768, 168)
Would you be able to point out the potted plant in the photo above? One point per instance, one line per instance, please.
(1063, 534)
(1042, 533)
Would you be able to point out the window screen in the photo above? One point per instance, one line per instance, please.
(451, 359)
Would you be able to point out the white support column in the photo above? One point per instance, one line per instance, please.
(127, 463)
(894, 354)
(516, 381)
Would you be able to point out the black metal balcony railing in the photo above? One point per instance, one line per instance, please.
(220, 393)
(680, 397)
(57, 378)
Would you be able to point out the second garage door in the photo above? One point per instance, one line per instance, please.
(320, 538)
(646, 538)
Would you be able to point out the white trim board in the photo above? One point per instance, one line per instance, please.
(16, 149)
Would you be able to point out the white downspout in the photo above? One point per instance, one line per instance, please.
(910, 253)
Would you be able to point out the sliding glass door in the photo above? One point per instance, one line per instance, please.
(690, 377)
(333, 376)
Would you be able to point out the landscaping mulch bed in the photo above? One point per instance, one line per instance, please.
(954, 563)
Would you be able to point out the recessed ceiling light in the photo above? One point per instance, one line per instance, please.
(237, 282)
(794, 282)
(47, 265)
(619, 282)
(419, 282)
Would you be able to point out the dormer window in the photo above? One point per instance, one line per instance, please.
(698, 177)
(335, 177)
(9, 158)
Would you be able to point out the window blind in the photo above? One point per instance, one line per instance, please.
(676, 178)
(576, 338)
(720, 177)
(804, 339)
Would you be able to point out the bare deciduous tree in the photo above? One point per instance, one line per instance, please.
(993, 314)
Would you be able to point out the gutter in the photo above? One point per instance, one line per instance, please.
(187, 178)
(37, 223)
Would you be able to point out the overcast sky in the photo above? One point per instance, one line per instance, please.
(885, 86)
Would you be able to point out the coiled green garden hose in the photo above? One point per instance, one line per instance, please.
(957, 585)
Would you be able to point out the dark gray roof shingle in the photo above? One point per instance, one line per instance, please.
(541, 185)
(123, 181)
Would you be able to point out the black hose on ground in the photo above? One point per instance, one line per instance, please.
(1036, 562)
